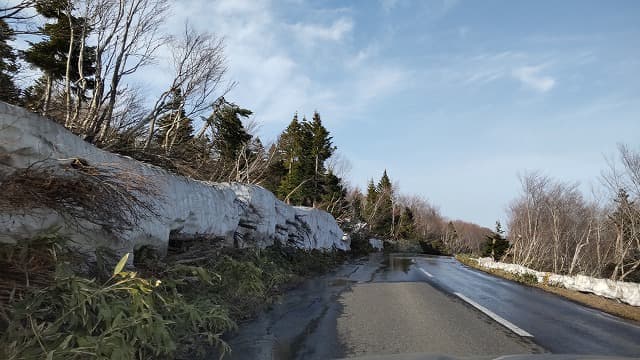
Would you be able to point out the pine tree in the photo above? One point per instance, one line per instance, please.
(321, 150)
(230, 136)
(495, 245)
(407, 225)
(276, 171)
(357, 207)
(9, 92)
(175, 129)
(384, 220)
(333, 198)
(371, 203)
(294, 144)
(50, 55)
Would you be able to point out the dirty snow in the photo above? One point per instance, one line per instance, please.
(626, 292)
(239, 214)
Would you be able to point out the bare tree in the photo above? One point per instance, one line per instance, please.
(199, 67)
(16, 10)
(624, 185)
(126, 34)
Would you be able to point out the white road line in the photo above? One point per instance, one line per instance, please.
(426, 272)
(494, 316)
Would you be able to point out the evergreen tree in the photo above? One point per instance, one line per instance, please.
(9, 92)
(175, 129)
(383, 222)
(407, 225)
(50, 55)
(230, 136)
(495, 245)
(334, 194)
(357, 207)
(451, 233)
(294, 144)
(321, 150)
(276, 171)
(304, 147)
(371, 203)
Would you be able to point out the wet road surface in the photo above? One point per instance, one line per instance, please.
(419, 304)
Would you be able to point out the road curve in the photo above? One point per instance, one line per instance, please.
(557, 324)
(408, 304)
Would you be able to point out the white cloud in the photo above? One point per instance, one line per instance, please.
(530, 77)
(311, 33)
(274, 77)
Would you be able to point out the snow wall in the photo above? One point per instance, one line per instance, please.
(237, 214)
(626, 292)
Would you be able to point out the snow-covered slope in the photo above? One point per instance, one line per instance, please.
(624, 291)
(239, 214)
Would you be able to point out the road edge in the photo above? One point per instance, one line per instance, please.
(610, 307)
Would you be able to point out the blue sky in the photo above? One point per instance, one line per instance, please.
(453, 98)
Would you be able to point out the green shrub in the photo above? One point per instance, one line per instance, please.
(126, 317)
(175, 308)
(526, 278)
(360, 245)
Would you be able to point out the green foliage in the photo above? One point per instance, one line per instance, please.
(433, 245)
(379, 206)
(230, 136)
(333, 195)
(370, 201)
(407, 225)
(360, 245)
(76, 317)
(304, 147)
(467, 260)
(175, 129)
(50, 55)
(526, 278)
(9, 92)
(495, 246)
(170, 310)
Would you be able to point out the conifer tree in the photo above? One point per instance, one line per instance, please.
(371, 203)
(451, 233)
(276, 171)
(230, 136)
(383, 224)
(321, 150)
(407, 225)
(495, 245)
(357, 207)
(294, 144)
(50, 55)
(9, 92)
(334, 194)
(175, 129)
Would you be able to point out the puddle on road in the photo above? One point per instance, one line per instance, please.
(398, 263)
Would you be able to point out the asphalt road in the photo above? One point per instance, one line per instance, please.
(435, 305)
(557, 324)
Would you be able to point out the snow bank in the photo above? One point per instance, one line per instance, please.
(624, 291)
(376, 244)
(239, 214)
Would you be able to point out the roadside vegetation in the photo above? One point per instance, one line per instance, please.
(57, 305)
